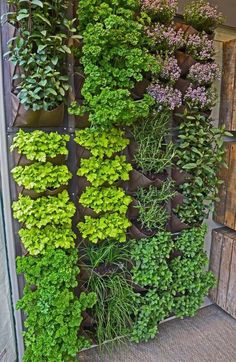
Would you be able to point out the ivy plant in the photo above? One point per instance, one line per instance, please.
(39, 145)
(37, 241)
(52, 325)
(151, 204)
(106, 199)
(108, 226)
(102, 143)
(56, 210)
(200, 152)
(149, 257)
(41, 176)
(99, 172)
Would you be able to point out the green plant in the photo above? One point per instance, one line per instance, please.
(108, 279)
(54, 313)
(99, 172)
(114, 59)
(37, 241)
(191, 282)
(151, 201)
(41, 176)
(188, 305)
(108, 226)
(203, 16)
(39, 50)
(102, 143)
(155, 152)
(39, 145)
(56, 210)
(106, 199)
(149, 311)
(149, 257)
(200, 152)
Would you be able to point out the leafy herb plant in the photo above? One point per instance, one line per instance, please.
(56, 210)
(149, 257)
(106, 199)
(102, 143)
(39, 145)
(200, 154)
(99, 172)
(54, 313)
(108, 226)
(37, 241)
(41, 176)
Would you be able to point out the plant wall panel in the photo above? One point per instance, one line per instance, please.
(115, 169)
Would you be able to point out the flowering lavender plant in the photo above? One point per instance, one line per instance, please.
(166, 96)
(166, 38)
(200, 98)
(170, 70)
(200, 47)
(160, 10)
(204, 74)
(202, 16)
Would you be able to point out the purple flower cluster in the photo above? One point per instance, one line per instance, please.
(160, 5)
(203, 16)
(200, 97)
(200, 47)
(165, 96)
(166, 38)
(204, 74)
(170, 70)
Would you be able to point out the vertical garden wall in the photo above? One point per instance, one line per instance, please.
(114, 157)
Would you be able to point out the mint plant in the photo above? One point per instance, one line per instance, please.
(40, 177)
(54, 313)
(105, 199)
(56, 210)
(39, 145)
(99, 172)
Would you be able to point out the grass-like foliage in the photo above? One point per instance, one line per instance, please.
(155, 151)
(115, 296)
(153, 214)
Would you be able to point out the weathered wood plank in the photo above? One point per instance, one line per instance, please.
(230, 204)
(215, 260)
(231, 295)
(228, 100)
(220, 207)
(223, 284)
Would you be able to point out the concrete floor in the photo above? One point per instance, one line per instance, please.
(208, 337)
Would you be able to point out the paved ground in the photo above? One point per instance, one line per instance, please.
(208, 337)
